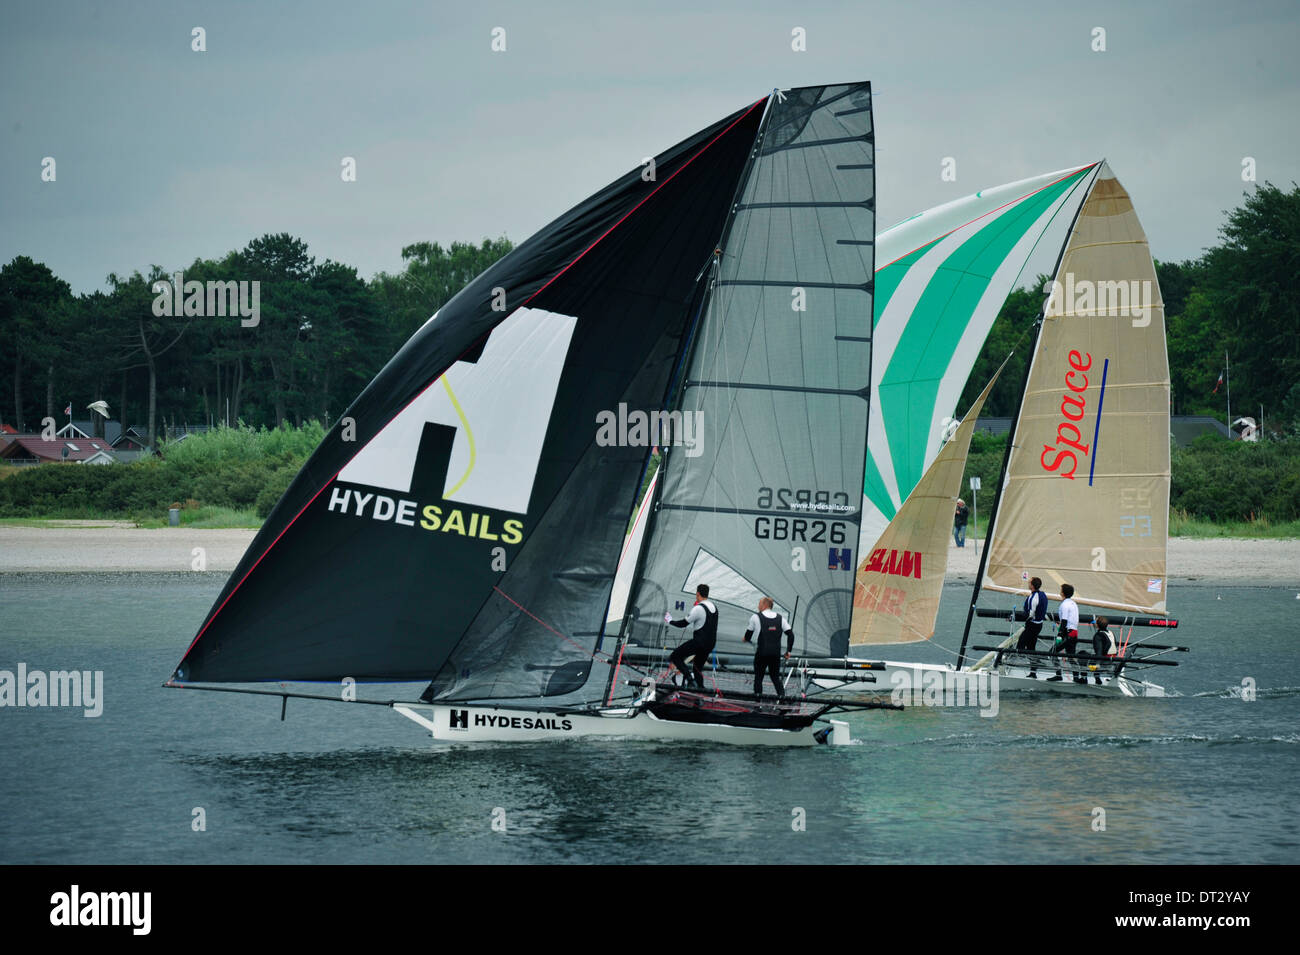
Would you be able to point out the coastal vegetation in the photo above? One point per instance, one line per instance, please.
(232, 477)
(259, 398)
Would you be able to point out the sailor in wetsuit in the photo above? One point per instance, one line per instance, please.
(1103, 646)
(703, 621)
(769, 625)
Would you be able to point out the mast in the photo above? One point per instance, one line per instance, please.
(1227, 382)
(1015, 421)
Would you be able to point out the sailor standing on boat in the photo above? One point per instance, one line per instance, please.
(703, 621)
(1035, 615)
(769, 625)
(1068, 639)
(1103, 646)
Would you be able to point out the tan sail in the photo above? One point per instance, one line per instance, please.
(899, 583)
(1086, 495)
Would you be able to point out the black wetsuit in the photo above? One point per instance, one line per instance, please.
(701, 643)
(767, 654)
(1035, 614)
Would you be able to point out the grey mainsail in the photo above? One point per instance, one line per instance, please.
(767, 501)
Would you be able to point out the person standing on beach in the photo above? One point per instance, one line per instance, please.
(959, 523)
(703, 621)
(1068, 637)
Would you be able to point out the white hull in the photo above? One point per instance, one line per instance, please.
(1010, 678)
(473, 724)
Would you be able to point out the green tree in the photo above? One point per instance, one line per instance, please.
(143, 337)
(431, 277)
(33, 311)
(1251, 280)
(284, 268)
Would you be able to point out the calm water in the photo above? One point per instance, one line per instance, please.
(1205, 777)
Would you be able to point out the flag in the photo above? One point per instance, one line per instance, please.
(1217, 383)
(68, 410)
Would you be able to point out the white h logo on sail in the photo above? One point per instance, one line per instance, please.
(500, 407)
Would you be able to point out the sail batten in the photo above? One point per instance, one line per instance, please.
(780, 378)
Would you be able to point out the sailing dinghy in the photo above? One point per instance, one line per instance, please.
(461, 526)
(1085, 488)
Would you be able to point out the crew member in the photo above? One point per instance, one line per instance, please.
(703, 621)
(1103, 646)
(1035, 614)
(1068, 637)
(769, 625)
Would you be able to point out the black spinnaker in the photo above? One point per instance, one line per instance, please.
(476, 442)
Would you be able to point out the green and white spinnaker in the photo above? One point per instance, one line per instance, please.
(941, 279)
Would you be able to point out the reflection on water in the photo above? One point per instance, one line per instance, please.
(1206, 777)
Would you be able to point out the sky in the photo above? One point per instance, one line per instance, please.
(163, 154)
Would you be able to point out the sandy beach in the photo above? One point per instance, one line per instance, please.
(118, 547)
(74, 547)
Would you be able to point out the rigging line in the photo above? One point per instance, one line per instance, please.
(469, 435)
(594, 654)
(1061, 204)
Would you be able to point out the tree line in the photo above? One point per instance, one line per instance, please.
(323, 331)
(321, 335)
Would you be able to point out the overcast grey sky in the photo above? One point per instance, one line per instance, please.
(165, 154)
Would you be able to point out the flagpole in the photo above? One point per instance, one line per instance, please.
(1227, 380)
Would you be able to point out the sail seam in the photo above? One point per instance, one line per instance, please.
(1005, 205)
(799, 389)
(837, 141)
